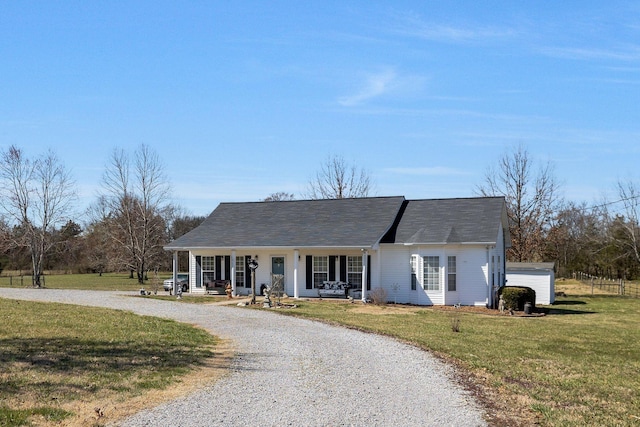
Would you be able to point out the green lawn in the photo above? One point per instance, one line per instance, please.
(57, 359)
(104, 282)
(578, 365)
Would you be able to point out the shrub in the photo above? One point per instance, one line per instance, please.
(455, 322)
(515, 297)
(378, 296)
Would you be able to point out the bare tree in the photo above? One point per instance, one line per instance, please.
(531, 200)
(135, 194)
(338, 180)
(36, 196)
(178, 223)
(280, 196)
(182, 225)
(102, 252)
(627, 237)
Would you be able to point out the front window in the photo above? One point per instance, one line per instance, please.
(451, 273)
(431, 273)
(208, 269)
(320, 270)
(240, 277)
(354, 271)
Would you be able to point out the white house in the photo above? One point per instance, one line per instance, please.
(538, 276)
(425, 252)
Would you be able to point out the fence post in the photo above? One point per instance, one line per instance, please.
(592, 286)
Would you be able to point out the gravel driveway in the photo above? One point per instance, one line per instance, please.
(294, 372)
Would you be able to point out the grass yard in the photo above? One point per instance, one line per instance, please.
(578, 365)
(69, 365)
(106, 282)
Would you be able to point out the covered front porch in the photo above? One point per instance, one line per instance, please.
(303, 273)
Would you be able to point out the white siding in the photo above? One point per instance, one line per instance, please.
(263, 272)
(192, 275)
(541, 281)
(472, 276)
(472, 287)
(390, 268)
(395, 269)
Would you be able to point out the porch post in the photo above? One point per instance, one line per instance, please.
(233, 272)
(364, 274)
(296, 256)
(489, 276)
(175, 272)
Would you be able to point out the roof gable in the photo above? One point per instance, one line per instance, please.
(441, 221)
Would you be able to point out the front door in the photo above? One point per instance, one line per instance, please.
(277, 273)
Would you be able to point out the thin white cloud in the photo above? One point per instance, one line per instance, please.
(446, 33)
(413, 25)
(375, 85)
(631, 53)
(427, 171)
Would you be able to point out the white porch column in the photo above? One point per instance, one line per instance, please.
(489, 276)
(233, 272)
(175, 273)
(365, 273)
(296, 256)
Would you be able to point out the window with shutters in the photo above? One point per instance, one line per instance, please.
(354, 271)
(240, 271)
(208, 269)
(320, 270)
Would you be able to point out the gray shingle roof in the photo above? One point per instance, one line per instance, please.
(436, 221)
(361, 222)
(518, 266)
(302, 223)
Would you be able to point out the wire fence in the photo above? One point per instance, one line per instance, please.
(610, 286)
(21, 281)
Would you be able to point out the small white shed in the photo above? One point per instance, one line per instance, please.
(538, 276)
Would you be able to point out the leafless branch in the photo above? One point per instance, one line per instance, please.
(337, 180)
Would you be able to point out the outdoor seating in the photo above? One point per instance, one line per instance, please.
(217, 287)
(333, 288)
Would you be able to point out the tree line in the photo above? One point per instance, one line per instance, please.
(601, 240)
(125, 229)
(133, 216)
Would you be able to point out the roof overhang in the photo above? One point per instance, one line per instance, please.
(447, 244)
(243, 248)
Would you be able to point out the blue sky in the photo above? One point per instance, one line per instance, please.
(244, 99)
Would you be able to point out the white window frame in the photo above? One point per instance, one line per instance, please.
(208, 270)
(414, 262)
(240, 271)
(431, 273)
(354, 271)
(452, 273)
(320, 270)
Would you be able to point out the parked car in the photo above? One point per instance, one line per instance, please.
(183, 281)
